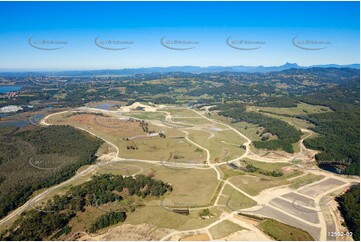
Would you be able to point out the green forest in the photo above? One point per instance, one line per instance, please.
(50, 220)
(107, 220)
(349, 204)
(33, 158)
(339, 139)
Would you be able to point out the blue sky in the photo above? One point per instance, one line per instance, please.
(272, 25)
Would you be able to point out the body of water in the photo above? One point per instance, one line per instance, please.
(16, 123)
(330, 168)
(6, 89)
(104, 106)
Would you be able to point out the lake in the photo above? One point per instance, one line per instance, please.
(6, 89)
(105, 106)
(330, 168)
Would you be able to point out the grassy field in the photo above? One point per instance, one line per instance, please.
(223, 145)
(191, 187)
(283, 232)
(255, 183)
(301, 109)
(147, 115)
(298, 123)
(245, 128)
(125, 168)
(168, 149)
(192, 120)
(229, 171)
(224, 229)
(235, 200)
(266, 165)
(168, 219)
(181, 112)
(305, 180)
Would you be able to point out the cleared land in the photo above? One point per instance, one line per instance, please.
(305, 180)
(235, 200)
(168, 219)
(223, 145)
(254, 184)
(194, 188)
(321, 187)
(198, 237)
(248, 129)
(147, 115)
(191, 187)
(229, 171)
(131, 139)
(301, 212)
(224, 229)
(297, 198)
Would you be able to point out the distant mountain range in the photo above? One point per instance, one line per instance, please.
(251, 69)
(191, 69)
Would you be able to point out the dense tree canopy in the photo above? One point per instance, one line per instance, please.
(349, 204)
(40, 157)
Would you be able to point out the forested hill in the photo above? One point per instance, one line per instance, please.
(37, 157)
(339, 139)
(338, 89)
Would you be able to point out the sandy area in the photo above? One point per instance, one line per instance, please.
(244, 235)
(199, 237)
(129, 232)
(135, 105)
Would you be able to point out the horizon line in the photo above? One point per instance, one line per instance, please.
(180, 66)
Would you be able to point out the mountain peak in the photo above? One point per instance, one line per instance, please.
(290, 65)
